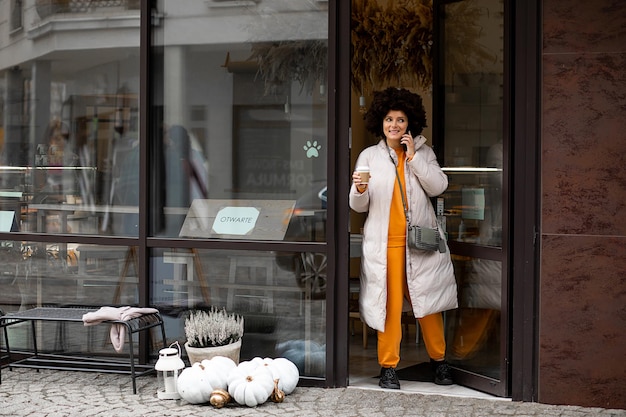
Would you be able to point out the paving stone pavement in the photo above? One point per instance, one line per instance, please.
(49, 393)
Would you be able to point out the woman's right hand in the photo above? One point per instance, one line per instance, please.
(356, 179)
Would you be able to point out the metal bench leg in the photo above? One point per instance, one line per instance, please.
(131, 348)
(60, 336)
(8, 349)
(6, 343)
(34, 331)
(6, 336)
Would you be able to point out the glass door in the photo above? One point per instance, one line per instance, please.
(471, 142)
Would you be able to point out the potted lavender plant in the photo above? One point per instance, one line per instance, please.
(213, 332)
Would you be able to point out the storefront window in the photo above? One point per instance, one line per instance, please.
(36, 274)
(70, 108)
(283, 314)
(241, 130)
(239, 152)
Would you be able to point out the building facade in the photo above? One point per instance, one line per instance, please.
(191, 154)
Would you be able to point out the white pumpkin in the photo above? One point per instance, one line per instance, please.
(250, 385)
(267, 362)
(193, 385)
(217, 370)
(286, 372)
(252, 364)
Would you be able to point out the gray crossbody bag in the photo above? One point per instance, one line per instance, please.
(422, 238)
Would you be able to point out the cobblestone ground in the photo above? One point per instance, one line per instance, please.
(26, 392)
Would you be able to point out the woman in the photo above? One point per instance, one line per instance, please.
(391, 273)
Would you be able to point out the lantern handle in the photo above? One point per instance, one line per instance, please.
(177, 347)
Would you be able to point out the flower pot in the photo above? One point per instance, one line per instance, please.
(199, 354)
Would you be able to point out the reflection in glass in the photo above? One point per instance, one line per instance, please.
(240, 152)
(473, 203)
(36, 274)
(473, 129)
(473, 95)
(241, 113)
(475, 341)
(69, 109)
(284, 313)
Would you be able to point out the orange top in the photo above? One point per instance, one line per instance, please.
(397, 220)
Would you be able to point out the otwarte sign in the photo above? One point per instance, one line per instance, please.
(235, 220)
(238, 219)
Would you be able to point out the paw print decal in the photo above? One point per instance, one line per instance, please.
(312, 149)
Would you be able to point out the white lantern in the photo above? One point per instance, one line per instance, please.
(168, 367)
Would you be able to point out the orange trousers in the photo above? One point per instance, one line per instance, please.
(397, 290)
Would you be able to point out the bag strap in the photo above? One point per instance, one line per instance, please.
(404, 204)
(406, 208)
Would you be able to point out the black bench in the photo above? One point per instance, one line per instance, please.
(38, 360)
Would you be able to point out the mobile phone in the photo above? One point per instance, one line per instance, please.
(404, 144)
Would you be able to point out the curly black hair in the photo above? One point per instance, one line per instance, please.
(394, 98)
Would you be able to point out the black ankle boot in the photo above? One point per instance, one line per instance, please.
(388, 379)
(442, 371)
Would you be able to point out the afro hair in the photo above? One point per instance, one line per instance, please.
(394, 98)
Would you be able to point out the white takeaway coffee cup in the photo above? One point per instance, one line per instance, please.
(364, 172)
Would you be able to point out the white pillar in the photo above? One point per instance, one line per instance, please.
(175, 103)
